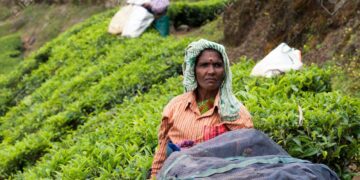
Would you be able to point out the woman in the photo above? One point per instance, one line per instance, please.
(159, 8)
(207, 109)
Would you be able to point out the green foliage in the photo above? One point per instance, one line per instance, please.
(104, 147)
(330, 129)
(195, 13)
(50, 59)
(70, 86)
(10, 53)
(87, 105)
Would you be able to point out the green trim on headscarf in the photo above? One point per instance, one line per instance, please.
(229, 105)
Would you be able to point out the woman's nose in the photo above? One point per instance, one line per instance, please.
(211, 69)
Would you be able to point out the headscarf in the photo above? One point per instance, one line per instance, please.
(229, 105)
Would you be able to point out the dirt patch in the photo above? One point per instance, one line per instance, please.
(259, 26)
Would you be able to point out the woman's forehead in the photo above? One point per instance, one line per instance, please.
(211, 51)
(207, 53)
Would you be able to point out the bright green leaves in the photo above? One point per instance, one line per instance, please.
(77, 76)
(195, 13)
(331, 121)
(89, 104)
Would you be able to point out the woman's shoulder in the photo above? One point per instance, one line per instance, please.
(177, 104)
(180, 100)
(185, 97)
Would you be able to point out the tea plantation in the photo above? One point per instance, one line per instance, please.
(88, 105)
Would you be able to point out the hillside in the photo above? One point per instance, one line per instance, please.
(88, 104)
(327, 32)
(26, 25)
(25, 29)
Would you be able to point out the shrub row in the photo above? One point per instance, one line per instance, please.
(85, 108)
(58, 92)
(197, 13)
(79, 74)
(117, 143)
(104, 147)
(46, 96)
(128, 80)
(320, 136)
(42, 64)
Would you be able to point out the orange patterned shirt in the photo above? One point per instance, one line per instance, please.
(182, 120)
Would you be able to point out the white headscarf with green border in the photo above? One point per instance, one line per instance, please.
(229, 105)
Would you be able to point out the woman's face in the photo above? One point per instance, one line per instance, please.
(209, 70)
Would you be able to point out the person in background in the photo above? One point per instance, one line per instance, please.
(159, 8)
(207, 109)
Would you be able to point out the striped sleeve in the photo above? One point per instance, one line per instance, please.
(160, 154)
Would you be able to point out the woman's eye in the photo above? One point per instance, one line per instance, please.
(203, 65)
(218, 65)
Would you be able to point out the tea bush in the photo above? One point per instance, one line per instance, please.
(37, 68)
(72, 85)
(119, 143)
(88, 104)
(195, 13)
(126, 133)
(23, 81)
(65, 111)
(320, 136)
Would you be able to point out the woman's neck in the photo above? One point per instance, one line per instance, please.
(203, 94)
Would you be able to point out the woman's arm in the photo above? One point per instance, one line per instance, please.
(160, 154)
(163, 138)
(243, 122)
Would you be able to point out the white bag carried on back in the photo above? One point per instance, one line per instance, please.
(119, 20)
(281, 59)
(139, 19)
(131, 20)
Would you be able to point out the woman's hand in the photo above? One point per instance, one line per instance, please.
(146, 5)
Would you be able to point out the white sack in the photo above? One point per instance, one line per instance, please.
(281, 59)
(119, 20)
(138, 21)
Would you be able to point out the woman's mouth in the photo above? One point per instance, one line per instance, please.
(211, 80)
